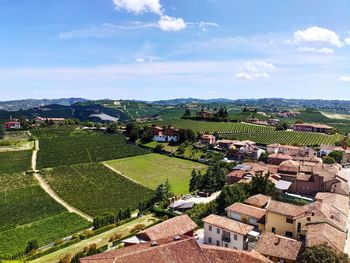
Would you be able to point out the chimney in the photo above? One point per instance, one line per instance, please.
(176, 238)
(154, 243)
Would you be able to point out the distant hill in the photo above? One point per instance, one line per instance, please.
(26, 104)
(191, 100)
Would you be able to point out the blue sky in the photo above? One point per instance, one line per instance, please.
(158, 49)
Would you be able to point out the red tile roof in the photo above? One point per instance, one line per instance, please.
(258, 200)
(228, 224)
(248, 210)
(273, 245)
(284, 208)
(178, 225)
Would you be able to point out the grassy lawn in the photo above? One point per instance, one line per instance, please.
(15, 141)
(166, 145)
(153, 169)
(100, 240)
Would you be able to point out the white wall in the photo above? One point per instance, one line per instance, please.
(236, 244)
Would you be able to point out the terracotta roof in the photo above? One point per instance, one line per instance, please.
(248, 210)
(178, 225)
(259, 200)
(184, 250)
(314, 125)
(228, 224)
(284, 208)
(280, 156)
(273, 245)
(227, 255)
(318, 234)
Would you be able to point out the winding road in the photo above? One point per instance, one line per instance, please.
(47, 188)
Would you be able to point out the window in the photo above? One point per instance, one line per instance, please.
(218, 243)
(234, 236)
(308, 219)
(210, 227)
(273, 230)
(218, 230)
(226, 245)
(289, 220)
(289, 234)
(209, 240)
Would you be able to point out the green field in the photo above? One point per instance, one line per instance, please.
(16, 140)
(47, 230)
(15, 161)
(95, 189)
(152, 169)
(64, 146)
(27, 212)
(220, 127)
(290, 137)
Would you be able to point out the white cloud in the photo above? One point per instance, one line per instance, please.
(318, 35)
(254, 70)
(316, 50)
(168, 23)
(345, 78)
(347, 41)
(165, 23)
(139, 6)
(140, 60)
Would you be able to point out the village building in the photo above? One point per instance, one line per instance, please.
(205, 114)
(278, 248)
(245, 152)
(169, 134)
(208, 139)
(247, 214)
(312, 127)
(12, 125)
(40, 120)
(176, 249)
(258, 200)
(225, 232)
(179, 225)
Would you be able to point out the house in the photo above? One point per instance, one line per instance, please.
(225, 144)
(12, 125)
(286, 114)
(208, 139)
(181, 206)
(245, 152)
(245, 171)
(205, 114)
(41, 120)
(225, 232)
(312, 127)
(273, 122)
(169, 134)
(278, 158)
(258, 200)
(176, 249)
(278, 248)
(247, 214)
(295, 221)
(179, 225)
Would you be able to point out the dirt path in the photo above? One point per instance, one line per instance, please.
(47, 188)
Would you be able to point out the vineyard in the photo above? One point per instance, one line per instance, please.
(289, 137)
(95, 189)
(62, 146)
(220, 127)
(15, 161)
(28, 212)
(153, 169)
(13, 241)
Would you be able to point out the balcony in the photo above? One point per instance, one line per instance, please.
(226, 239)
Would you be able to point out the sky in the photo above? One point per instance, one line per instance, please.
(162, 49)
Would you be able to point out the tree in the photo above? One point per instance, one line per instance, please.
(231, 194)
(32, 245)
(337, 155)
(2, 131)
(112, 128)
(263, 157)
(282, 126)
(323, 254)
(147, 135)
(328, 160)
(159, 147)
(193, 181)
(262, 185)
(162, 192)
(187, 114)
(89, 124)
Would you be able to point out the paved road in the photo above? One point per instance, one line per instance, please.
(47, 188)
(347, 246)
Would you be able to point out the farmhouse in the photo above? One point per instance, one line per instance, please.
(246, 152)
(176, 249)
(12, 125)
(208, 139)
(312, 127)
(169, 134)
(41, 120)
